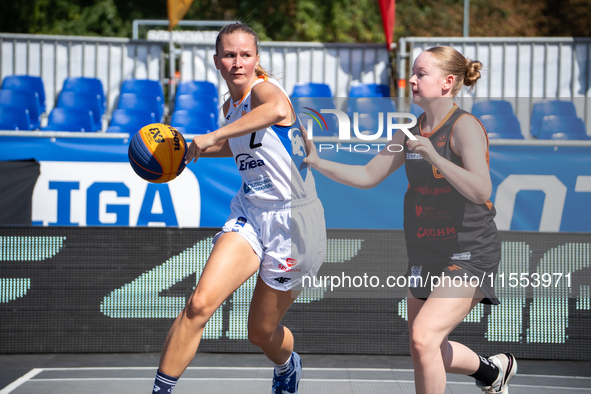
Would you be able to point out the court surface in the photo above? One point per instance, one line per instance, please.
(251, 373)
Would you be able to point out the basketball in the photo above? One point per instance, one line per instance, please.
(157, 153)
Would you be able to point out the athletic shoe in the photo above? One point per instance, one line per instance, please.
(288, 382)
(507, 366)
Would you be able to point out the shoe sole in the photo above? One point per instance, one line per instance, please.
(512, 368)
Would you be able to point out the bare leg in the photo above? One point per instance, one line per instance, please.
(231, 263)
(430, 322)
(266, 311)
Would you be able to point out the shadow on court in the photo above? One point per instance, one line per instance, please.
(252, 373)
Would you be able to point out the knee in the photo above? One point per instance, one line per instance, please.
(260, 336)
(422, 344)
(199, 307)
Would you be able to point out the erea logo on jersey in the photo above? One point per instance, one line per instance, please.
(246, 162)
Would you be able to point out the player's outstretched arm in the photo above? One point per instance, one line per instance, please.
(362, 177)
(221, 149)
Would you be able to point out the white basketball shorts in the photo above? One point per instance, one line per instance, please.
(289, 238)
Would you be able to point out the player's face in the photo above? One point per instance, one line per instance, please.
(427, 79)
(237, 59)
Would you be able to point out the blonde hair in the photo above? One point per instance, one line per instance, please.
(450, 61)
(239, 27)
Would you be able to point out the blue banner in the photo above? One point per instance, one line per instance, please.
(88, 181)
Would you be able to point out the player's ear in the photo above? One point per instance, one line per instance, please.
(215, 61)
(448, 82)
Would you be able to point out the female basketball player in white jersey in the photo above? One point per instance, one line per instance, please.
(447, 169)
(276, 225)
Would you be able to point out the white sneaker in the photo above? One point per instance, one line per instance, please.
(507, 366)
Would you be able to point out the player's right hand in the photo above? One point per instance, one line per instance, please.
(199, 144)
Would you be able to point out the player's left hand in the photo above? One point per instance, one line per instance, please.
(424, 147)
(311, 152)
(199, 144)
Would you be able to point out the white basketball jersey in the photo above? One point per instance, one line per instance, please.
(270, 161)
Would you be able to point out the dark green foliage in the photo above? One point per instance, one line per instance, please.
(309, 20)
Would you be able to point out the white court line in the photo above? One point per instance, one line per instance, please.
(302, 380)
(26, 377)
(270, 368)
(29, 377)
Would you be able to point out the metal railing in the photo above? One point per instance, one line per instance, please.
(55, 58)
(519, 70)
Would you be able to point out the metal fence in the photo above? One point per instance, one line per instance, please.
(519, 70)
(338, 65)
(55, 58)
(112, 60)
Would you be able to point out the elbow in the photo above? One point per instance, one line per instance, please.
(482, 196)
(367, 185)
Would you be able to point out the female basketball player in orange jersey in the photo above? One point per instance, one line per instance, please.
(276, 225)
(448, 173)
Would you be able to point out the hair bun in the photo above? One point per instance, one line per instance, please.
(472, 74)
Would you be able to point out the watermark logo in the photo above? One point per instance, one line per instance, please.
(316, 119)
(344, 124)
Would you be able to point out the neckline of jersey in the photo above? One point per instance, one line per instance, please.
(427, 135)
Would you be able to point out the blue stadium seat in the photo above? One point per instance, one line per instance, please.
(84, 100)
(24, 98)
(145, 87)
(562, 127)
(138, 101)
(14, 118)
(69, 119)
(26, 82)
(193, 121)
(301, 105)
(191, 102)
(310, 89)
(491, 107)
(549, 107)
(369, 90)
(198, 89)
(502, 126)
(131, 120)
(87, 85)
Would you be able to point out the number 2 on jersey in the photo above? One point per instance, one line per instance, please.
(252, 143)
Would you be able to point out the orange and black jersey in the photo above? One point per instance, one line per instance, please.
(440, 224)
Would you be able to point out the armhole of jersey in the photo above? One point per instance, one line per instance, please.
(451, 134)
(293, 114)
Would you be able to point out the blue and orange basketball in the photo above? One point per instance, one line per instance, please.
(157, 153)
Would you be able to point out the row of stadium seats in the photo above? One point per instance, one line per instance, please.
(550, 119)
(82, 103)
